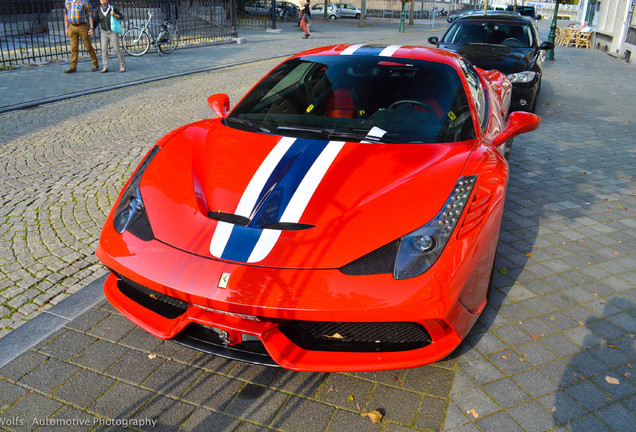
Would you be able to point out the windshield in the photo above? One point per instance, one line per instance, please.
(511, 34)
(359, 98)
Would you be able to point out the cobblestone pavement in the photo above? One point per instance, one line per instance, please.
(553, 350)
(63, 164)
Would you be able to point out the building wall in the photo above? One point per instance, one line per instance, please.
(613, 28)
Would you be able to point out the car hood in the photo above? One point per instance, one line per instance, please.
(294, 203)
(505, 59)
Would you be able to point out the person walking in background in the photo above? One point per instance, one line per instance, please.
(78, 23)
(305, 16)
(102, 18)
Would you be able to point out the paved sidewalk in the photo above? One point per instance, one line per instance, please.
(40, 84)
(553, 350)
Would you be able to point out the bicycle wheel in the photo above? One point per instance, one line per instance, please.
(135, 42)
(171, 42)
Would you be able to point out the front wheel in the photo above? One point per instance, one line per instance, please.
(135, 42)
(171, 43)
(332, 17)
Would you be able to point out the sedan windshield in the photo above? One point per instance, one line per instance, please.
(511, 34)
(359, 98)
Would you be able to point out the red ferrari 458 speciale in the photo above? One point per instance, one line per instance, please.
(344, 216)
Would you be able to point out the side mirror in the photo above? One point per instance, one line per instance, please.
(433, 40)
(220, 104)
(519, 122)
(546, 45)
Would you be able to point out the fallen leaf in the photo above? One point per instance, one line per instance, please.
(473, 413)
(529, 254)
(538, 335)
(358, 406)
(335, 336)
(611, 346)
(375, 416)
(628, 374)
(350, 399)
(612, 380)
(581, 322)
(153, 296)
(330, 389)
(629, 365)
(554, 409)
(503, 271)
(151, 356)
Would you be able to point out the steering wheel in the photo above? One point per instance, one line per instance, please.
(512, 42)
(412, 102)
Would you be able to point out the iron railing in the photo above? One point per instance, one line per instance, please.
(32, 31)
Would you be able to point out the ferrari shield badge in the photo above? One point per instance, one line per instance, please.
(225, 279)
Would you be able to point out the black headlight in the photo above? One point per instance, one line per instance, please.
(131, 212)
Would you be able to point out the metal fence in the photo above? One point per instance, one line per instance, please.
(32, 31)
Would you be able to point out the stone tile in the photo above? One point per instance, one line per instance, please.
(9, 394)
(513, 335)
(589, 395)
(121, 401)
(623, 389)
(560, 345)
(174, 351)
(499, 421)
(134, 366)
(202, 418)
(475, 399)
(299, 414)
(256, 403)
(338, 388)
(563, 407)
(31, 406)
(510, 361)
(430, 380)
(168, 413)
(400, 406)
(212, 363)
(140, 339)
(67, 345)
(350, 421)
(506, 393)
(80, 420)
(533, 417)
(487, 343)
(454, 417)
(22, 365)
(213, 391)
(481, 371)
(588, 423)
(87, 320)
(49, 375)
(431, 413)
(256, 374)
(172, 378)
(586, 364)
(84, 388)
(534, 382)
(393, 378)
(100, 355)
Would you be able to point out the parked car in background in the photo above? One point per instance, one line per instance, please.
(333, 11)
(525, 11)
(504, 41)
(257, 7)
(287, 11)
(347, 10)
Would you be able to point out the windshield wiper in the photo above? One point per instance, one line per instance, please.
(250, 123)
(358, 137)
(333, 134)
(486, 44)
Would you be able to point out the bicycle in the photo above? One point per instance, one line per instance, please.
(137, 40)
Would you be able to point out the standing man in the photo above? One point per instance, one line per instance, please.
(78, 14)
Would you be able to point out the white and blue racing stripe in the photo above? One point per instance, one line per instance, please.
(371, 50)
(279, 192)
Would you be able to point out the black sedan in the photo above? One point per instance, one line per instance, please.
(506, 42)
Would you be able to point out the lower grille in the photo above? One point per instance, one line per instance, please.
(206, 339)
(356, 337)
(164, 305)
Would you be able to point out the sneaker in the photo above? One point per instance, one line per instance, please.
(122, 69)
(306, 37)
(104, 70)
(95, 69)
(70, 70)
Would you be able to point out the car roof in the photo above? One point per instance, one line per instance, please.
(495, 15)
(404, 51)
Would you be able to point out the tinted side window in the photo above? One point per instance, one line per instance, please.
(478, 93)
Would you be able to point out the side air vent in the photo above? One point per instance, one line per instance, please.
(380, 261)
(229, 218)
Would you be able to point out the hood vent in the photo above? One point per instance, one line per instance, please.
(235, 219)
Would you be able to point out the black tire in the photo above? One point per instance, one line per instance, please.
(508, 149)
(135, 42)
(171, 44)
(357, 16)
(332, 17)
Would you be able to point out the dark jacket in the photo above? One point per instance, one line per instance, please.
(104, 21)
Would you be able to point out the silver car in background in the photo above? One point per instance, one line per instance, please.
(347, 10)
(333, 12)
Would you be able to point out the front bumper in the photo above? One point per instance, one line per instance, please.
(523, 95)
(245, 319)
